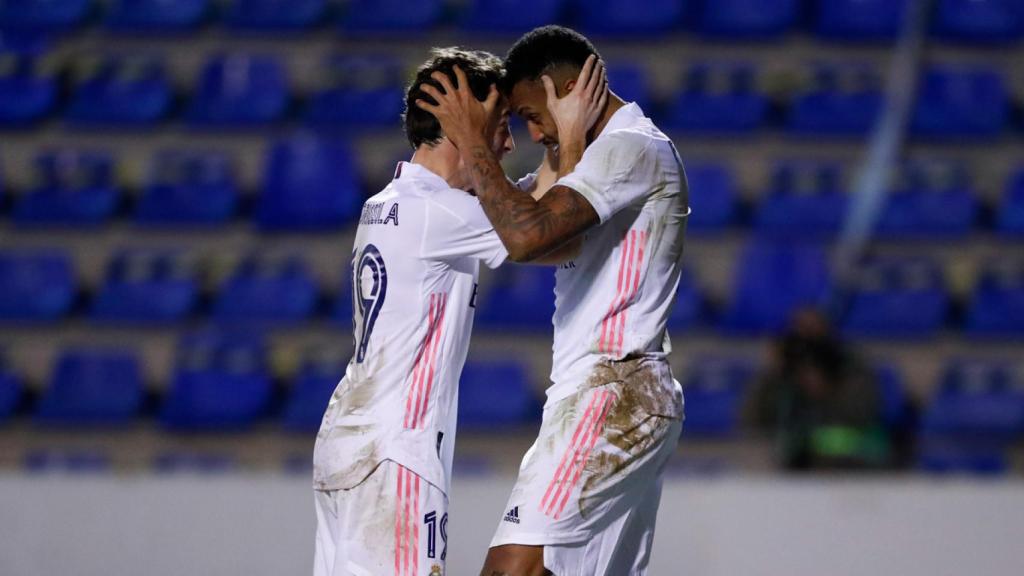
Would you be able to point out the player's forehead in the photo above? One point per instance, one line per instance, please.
(526, 97)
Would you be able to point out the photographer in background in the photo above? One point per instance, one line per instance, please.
(820, 401)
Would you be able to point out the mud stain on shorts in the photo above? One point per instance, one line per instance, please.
(645, 406)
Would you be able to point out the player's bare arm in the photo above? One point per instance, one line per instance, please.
(529, 228)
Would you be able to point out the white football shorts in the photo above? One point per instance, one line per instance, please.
(393, 522)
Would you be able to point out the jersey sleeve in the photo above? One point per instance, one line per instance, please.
(616, 170)
(461, 230)
(526, 182)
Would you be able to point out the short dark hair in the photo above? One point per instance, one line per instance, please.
(542, 49)
(482, 69)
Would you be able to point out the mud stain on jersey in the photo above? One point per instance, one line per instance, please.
(645, 406)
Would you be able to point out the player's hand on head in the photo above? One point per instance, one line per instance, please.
(577, 112)
(461, 115)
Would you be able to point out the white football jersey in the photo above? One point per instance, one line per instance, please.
(415, 265)
(613, 299)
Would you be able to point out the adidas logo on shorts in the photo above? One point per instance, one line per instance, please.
(513, 515)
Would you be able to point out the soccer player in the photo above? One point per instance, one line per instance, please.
(588, 490)
(383, 455)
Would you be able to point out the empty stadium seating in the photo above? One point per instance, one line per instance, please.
(976, 413)
(309, 184)
(74, 188)
(120, 94)
(28, 92)
(239, 91)
(522, 298)
(898, 298)
(838, 101)
(362, 92)
(718, 99)
(221, 382)
(266, 290)
(92, 387)
(496, 395)
(188, 188)
(803, 201)
(773, 281)
(147, 287)
(996, 307)
(150, 16)
(715, 389)
(36, 285)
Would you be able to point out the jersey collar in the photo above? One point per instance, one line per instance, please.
(420, 173)
(628, 115)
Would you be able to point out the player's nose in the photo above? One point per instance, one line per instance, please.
(510, 144)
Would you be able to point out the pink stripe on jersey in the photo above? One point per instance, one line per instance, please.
(409, 552)
(606, 325)
(422, 360)
(417, 371)
(414, 543)
(633, 291)
(606, 401)
(557, 479)
(398, 525)
(442, 305)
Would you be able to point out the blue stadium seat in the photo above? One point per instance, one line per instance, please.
(954, 103)
(625, 18)
(979, 21)
(10, 392)
(892, 392)
(715, 389)
(267, 290)
(69, 187)
(92, 387)
(839, 102)
(238, 91)
(996, 307)
(147, 286)
(713, 197)
(35, 285)
(806, 200)
(311, 390)
(629, 81)
(510, 16)
(221, 383)
(747, 19)
(977, 412)
(74, 188)
(718, 99)
(860, 20)
(43, 15)
(363, 91)
(978, 399)
(520, 298)
(27, 94)
(773, 280)
(496, 395)
(156, 15)
(188, 188)
(898, 298)
(133, 92)
(281, 15)
(1010, 214)
(309, 184)
(688, 310)
(391, 16)
(934, 201)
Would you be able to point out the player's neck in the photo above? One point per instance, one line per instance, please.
(614, 103)
(441, 159)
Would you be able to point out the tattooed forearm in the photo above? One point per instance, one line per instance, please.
(529, 228)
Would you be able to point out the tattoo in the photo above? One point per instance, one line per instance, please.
(529, 228)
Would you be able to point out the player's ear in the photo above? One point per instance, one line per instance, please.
(569, 85)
